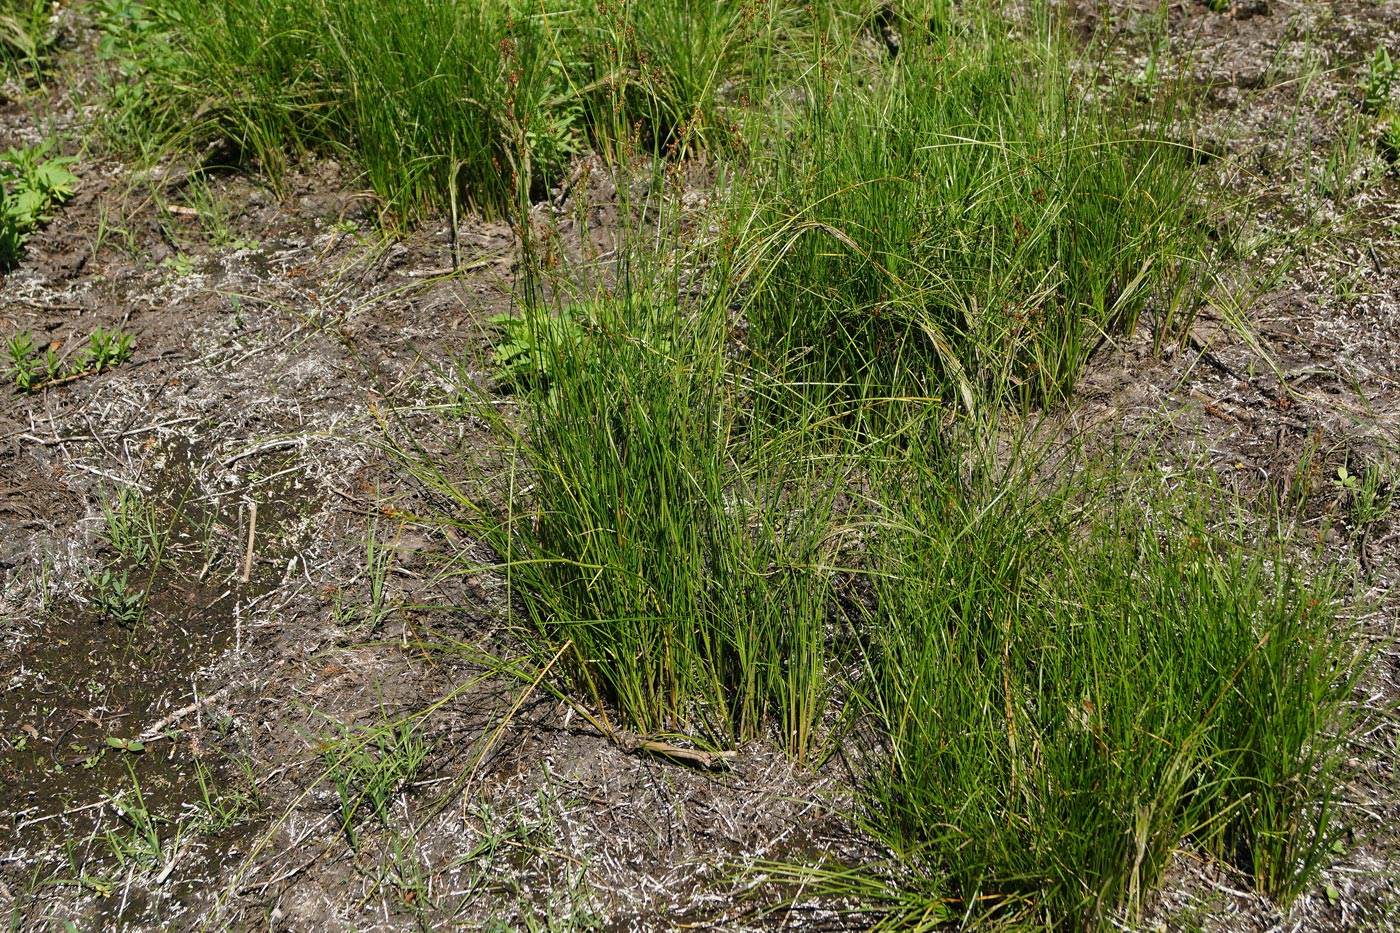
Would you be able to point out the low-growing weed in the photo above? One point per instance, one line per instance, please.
(136, 844)
(1390, 137)
(1369, 496)
(1377, 84)
(349, 611)
(220, 807)
(129, 527)
(531, 344)
(216, 217)
(116, 599)
(105, 348)
(31, 184)
(1381, 75)
(181, 265)
(25, 369)
(31, 371)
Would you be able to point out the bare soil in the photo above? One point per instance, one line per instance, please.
(280, 369)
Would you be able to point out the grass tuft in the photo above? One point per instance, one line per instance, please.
(1074, 682)
(971, 218)
(685, 565)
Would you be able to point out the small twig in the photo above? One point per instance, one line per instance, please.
(261, 449)
(631, 743)
(111, 476)
(154, 731)
(53, 816)
(75, 438)
(515, 707)
(37, 306)
(52, 441)
(710, 761)
(252, 530)
(71, 377)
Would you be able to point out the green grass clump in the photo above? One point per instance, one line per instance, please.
(735, 491)
(1072, 686)
(490, 99)
(971, 217)
(422, 95)
(24, 36)
(683, 563)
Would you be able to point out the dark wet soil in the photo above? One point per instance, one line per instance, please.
(86, 709)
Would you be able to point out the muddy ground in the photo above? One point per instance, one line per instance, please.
(285, 348)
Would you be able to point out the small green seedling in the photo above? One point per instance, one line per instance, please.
(106, 348)
(126, 745)
(1390, 136)
(179, 264)
(1381, 74)
(25, 370)
(116, 599)
(129, 528)
(218, 807)
(1369, 497)
(373, 771)
(32, 371)
(31, 184)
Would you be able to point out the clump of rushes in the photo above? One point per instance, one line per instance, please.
(684, 562)
(489, 98)
(422, 95)
(25, 36)
(1072, 686)
(968, 218)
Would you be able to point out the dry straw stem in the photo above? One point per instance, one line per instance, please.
(252, 532)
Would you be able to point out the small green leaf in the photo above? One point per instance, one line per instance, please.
(126, 745)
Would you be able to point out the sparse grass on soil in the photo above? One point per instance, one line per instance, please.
(765, 436)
